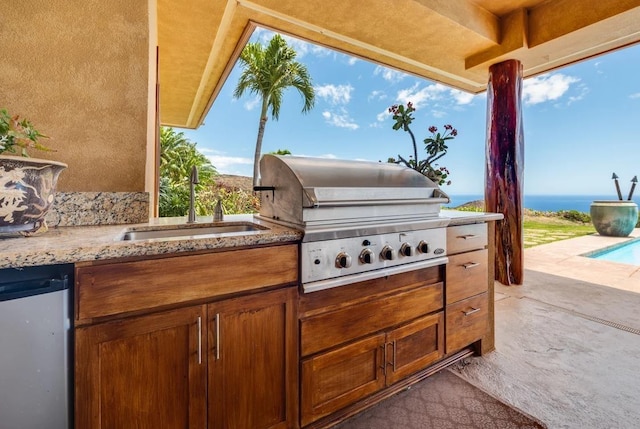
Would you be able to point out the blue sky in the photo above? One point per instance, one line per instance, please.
(581, 122)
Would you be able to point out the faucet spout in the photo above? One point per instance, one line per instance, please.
(193, 181)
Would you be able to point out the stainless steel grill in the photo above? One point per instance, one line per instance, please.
(361, 220)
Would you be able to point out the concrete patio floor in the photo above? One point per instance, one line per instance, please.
(568, 340)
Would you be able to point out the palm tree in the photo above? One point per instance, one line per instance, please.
(177, 156)
(267, 72)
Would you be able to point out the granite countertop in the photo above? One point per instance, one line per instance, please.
(88, 243)
(458, 217)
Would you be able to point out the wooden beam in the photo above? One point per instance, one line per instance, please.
(505, 167)
(514, 30)
(554, 19)
(467, 15)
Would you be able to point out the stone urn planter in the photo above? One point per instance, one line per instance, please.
(27, 187)
(614, 218)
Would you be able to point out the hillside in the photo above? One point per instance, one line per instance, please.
(235, 182)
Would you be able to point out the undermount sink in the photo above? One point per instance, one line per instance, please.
(192, 231)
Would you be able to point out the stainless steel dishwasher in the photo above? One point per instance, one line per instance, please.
(35, 347)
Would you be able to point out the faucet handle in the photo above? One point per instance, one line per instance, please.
(218, 214)
(194, 175)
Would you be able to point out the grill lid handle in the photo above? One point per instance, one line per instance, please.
(266, 188)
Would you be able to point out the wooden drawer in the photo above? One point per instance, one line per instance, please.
(335, 327)
(466, 322)
(463, 238)
(110, 289)
(333, 380)
(467, 275)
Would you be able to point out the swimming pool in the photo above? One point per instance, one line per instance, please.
(624, 253)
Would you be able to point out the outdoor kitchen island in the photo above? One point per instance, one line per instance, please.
(213, 332)
(364, 342)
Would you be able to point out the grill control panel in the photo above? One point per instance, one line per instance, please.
(322, 260)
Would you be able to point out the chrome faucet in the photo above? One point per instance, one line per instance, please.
(193, 181)
(218, 214)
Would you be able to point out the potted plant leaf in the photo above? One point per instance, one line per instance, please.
(27, 185)
(615, 218)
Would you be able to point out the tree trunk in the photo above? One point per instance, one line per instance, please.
(256, 156)
(505, 166)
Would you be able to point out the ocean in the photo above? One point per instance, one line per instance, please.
(543, 203)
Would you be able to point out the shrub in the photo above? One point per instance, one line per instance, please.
(574, 216)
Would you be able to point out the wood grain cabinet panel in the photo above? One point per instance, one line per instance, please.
(466, 321)
(333, 380)
(328, 329)
(253, 368)
(463, 238)
(146, 372)
(414, 346)
(110, 289)
(467, 275)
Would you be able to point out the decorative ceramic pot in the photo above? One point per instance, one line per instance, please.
(614, 218)
(27, 187)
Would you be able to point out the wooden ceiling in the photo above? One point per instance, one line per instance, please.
(450, 41)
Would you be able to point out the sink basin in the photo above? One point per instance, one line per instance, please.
(192, 231)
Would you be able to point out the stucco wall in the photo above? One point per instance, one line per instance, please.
(78, 69)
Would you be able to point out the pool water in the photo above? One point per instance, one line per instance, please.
(624, 253)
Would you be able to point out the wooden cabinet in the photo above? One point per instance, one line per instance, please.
(466, 286)
(143, 372)
(218, 362)
(253, 361)
(355, 345)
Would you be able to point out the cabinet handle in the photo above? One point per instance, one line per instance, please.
(217, 336)
(395, 348)
(383, 367)
(470, 265)
(468, 236)
(199, 340)
(473, 310)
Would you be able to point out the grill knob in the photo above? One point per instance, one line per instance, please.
(423, 247)
(387, 253)
(406, 249)
(366, 256)
(343, 260)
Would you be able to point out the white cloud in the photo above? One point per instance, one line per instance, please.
(229, 164)
(418, 96)
(380, 117)
(438, 113)
(334, 94)
(389, 75)
(340, 119)
(546, 87)
(461, 97)
(377, 95)
(352, 60)
(251, 104)
(636, 95)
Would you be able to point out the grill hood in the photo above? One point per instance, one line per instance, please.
(314, 192)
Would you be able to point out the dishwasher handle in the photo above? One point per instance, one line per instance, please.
(25, 288)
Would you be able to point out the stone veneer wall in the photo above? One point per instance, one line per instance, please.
(98, 208)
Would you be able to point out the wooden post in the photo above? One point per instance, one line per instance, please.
(504, 167)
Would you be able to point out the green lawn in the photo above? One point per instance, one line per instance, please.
(542, 230)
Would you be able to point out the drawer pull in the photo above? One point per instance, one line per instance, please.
(469, 312)
(470, 265)
(383, 367)
(468, 236)
(199, 340)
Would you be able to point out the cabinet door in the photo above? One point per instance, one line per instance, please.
(143, 372)
(253, 381)
(414, 346)
(467, 321)
(337, 378)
